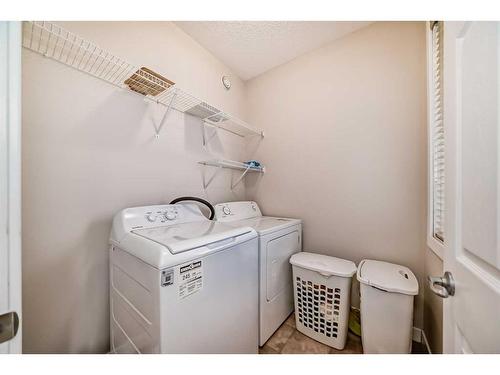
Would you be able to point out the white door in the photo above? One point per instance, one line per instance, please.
(472, 248)
(10, 187)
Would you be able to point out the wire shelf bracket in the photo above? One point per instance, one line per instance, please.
(234, 184)
(206, 139)
(164, 118)
(206, 183)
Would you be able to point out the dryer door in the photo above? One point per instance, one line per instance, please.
(279, 270)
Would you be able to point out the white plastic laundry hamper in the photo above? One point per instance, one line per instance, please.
(322, 291)
(387, 292)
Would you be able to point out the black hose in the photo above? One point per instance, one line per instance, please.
(196, 199)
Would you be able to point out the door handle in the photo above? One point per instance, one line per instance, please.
(442, 286)
(9, 325)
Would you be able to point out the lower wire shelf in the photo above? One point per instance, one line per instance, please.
(230, 164)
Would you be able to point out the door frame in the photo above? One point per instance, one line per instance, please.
(452, 168)
(10, 176)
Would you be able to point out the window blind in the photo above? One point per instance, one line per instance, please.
(437, 139)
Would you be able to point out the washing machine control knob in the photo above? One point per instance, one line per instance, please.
(170, 215)
(226, 210)
(151, 218)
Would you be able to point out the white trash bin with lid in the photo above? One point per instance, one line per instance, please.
(387, 292)
(322, 293)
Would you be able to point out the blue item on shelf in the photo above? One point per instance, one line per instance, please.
(253, 164)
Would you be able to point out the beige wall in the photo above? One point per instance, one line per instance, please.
(433, 305)
(89, 151)
(345, 145)
(344, 150)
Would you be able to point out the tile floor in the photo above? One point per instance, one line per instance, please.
(287, 340)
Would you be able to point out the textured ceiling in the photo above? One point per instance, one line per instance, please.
(251, 48)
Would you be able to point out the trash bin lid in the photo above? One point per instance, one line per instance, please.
(326, 265)
(387, 276)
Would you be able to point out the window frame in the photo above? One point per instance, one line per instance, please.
(436, 245)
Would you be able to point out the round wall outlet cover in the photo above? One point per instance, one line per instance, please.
(226, 82)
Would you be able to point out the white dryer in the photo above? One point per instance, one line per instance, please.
(180, 283)
(279, 239)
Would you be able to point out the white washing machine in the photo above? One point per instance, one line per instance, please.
(279, 239)
(180, 283)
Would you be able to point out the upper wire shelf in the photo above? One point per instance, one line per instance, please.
(59, 44)
(211, 116)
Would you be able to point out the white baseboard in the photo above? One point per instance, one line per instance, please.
(419, 336)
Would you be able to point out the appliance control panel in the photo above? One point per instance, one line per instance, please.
(157, 216)
(232, 211)
(162, 216)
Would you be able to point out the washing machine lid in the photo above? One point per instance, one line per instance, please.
(187, 236)
(323, 264)
(387, 276)
(265, 224)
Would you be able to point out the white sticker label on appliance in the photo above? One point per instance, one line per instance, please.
(190, 278)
